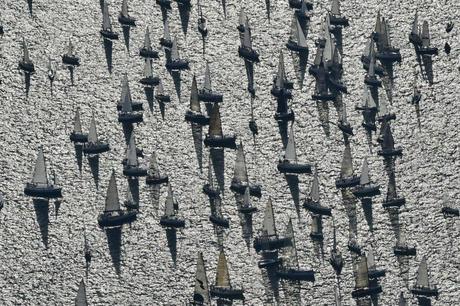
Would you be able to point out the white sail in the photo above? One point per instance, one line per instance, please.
(106, 24)
(92, 135)
(207, 79)
(314, 193)
(422, 275)
(247, 198)
(240, 172)
(77, 121)
(290, 259)
(215, 123)
(364, 178)
(371, 260)
(166, 35)
(281, 72)
(81, 300)
(132, 152)
(194, 101)
(269, 228)
(112, 201)
(154, 169)
(290, 154)
(301, 40)
(169, 205)
(126, 100)
(415, 29)
(148, 73)
(335, 8)
(40, 177)
(347, 163)
(174, 51)
(124, 8)
(147, 43)
(362, 276)
(247, 36)
(222, 275)
(201, 282)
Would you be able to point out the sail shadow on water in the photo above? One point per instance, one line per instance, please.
(283, 130)
(367, 208)
(323, 116)
(41, 207)
(133, 185)
(114, 243)
(175, 74)
(127, 131)
(218, 162)
(108, 47)
(93, 162)
(27, 83)
(171, 236)
(29, 5)
(293, 183)
(79, 156)
(300, 61)
(184, 14)
(149, 95)
(126, 35)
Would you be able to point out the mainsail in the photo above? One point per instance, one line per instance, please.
(194, 100)
(124, 8)
(40, 177)
(148, 73)
(106, 24)
(166, 34)
(301, 40)
(281, 72)
(268, 227)
(371, 260)
(169, 205)
(290, 153)
(70, 49)
(364, 178)
(92, 135)
(291, 260)
(201, 293)
(132, 152)
(215, 124)
(174, 51)
(77, 122)
(425, 34)
(126, 100)
(81, 300)
(207, 79)
(222, 276)
(247, 43)
(147, 43)
(335, 8)
(388, 141)
(362, 277)
(112, 201)
(240, 173)
(415, 29)
(422, 275)
(314, 193)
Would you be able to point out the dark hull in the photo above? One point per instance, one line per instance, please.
(372, 81)
(153, 81)
(339, 21)
(71, 60)
(301, 16)
(267, 244)
(148, 53)
(151, 180)
(226, 293)
(254, 190)
(186, 3)
(247, 210)
(165, 4)
(210, 97)
(388, 117)
(415, 39)
(323, 97)
(317, 236)
(197, 118)
(219, 221)
(286, 167)
(284, 117)
(297, 4)
(78, 137)
(347, 129)
(404, 251)
(134, 172)
(394, 203)
(166, 43)
(126, 21)
(366, 191)
(212, 193)
(389, 57)
(281, 93)
(390, 152)
(173, 223)
(425, 291)
(293, 46)
(109, 35)
(248, 54)
(378, 69)
(178, 65)
(267, 263)
(449, 211)
(369, 126)
(27, 67)
(354, 248)
(307, 275)
(202, 28)
(317, 209)
(336, 263)
(112, 221)
(337, 85)
(220, 142)
(373, 274)
(130, 118)
(43, 192)
(347, 182)
(97, 148)
(163, 98)
(427, 51)
(357, 293)
(136, 106)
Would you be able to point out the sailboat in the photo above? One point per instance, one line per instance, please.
(166, 40)
(194, 114)
(297, 41)
(40, 186)
(242, 18)
(170, 218)
(449, 210)
(366, 188)
(132, 168)
(312, 202)
(426, 49)
(366, 59)
(211, 188)
(215, 137)
(247, 208)
(113, 215)
(386, 53)
(126, 95)
(147, 51)
(77, 136)
(223, 288)
(176, 63)
(289, 163)
(414, 36)
(369, 110)
(388, 144)
(26, 63)
(343, 123)
(94, 145)
(281, 86)
(81, 299)
(124, 19)
(70, 58)
(353, 246)
(201, 295)
(422, 286)
(107, 31)
(373, 272)
(322, 91)
(290, 266)
(149, 79)
(216, 216)
(401, 248)
(154, 177)
(316, 226)
(336, 17)
(297, 4)
(246, 50)
(392, 199)
(129, 112)
(371, 78)
(240, 179)
(206, 94)
(164, 4)
(160, 95)
(336, 259)
(268, 241)
(362, 286)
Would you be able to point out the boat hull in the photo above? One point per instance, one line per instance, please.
(293, 46)
(394, 203)
(373, 274)
(317, 209)
(163, 98)
(135, 105)
(211, 193)
(109, 35)
(152, 180)
(95, 148)
(220, 142)
(71, 60)
(387, 117)
(219, 221)
(372, 81)
(130, 118)
(153, 81)
(247, 210)
(281, 93)
(286, 167)
(134, 171)
(427, 51)
(338, 21)
(425, 291)
(167, 43)
(404, 251)
(165, 4)
(226, 293)
(126, 21)
(197, 118)
(297, 4)
(267, 244)
(362, 292)
(317, 236)
(27, 67)
(248, 54)
(178, 65)
(48, 192)
(172, 222)
(145, 53)
(347, 129)
(299, 275)
(390, 152)
(366, 191)
(268, 262)
(105, 220)
(323, 97)
(389, 57)
(449, 211)
(254, 190)
(210, 97)
(285, 117)
(78, 137)
(347, 182)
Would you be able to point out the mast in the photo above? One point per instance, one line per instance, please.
(112, 201)
(215, 124)
(364, 178)
(81, 300)
(222, 275)
(240, 171)
(201, 293)
(290, 153)
(269, 228)
(40, 176)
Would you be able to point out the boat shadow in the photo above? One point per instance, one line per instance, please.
(218, 163)
(197, 135)
(184, 14)
(41, 207)
(29, 4)
(366, 203)
(93, 162)
(283, 130)
(323, 116)
(71, 72)
(114, 244)
(164, 14)
(293, 183)
(249, 66)
(349, 202)
(270, 278)
(388, 81)
(428, 68)
(126, 36)
(108, 47)
(27, 77)
(171, 236)
(291, 291)
(79, 156)
(155, 192)
(149, 96)
(300, 60)
(423, 301)
(57, 206)
(374, 297)
(127, 131)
